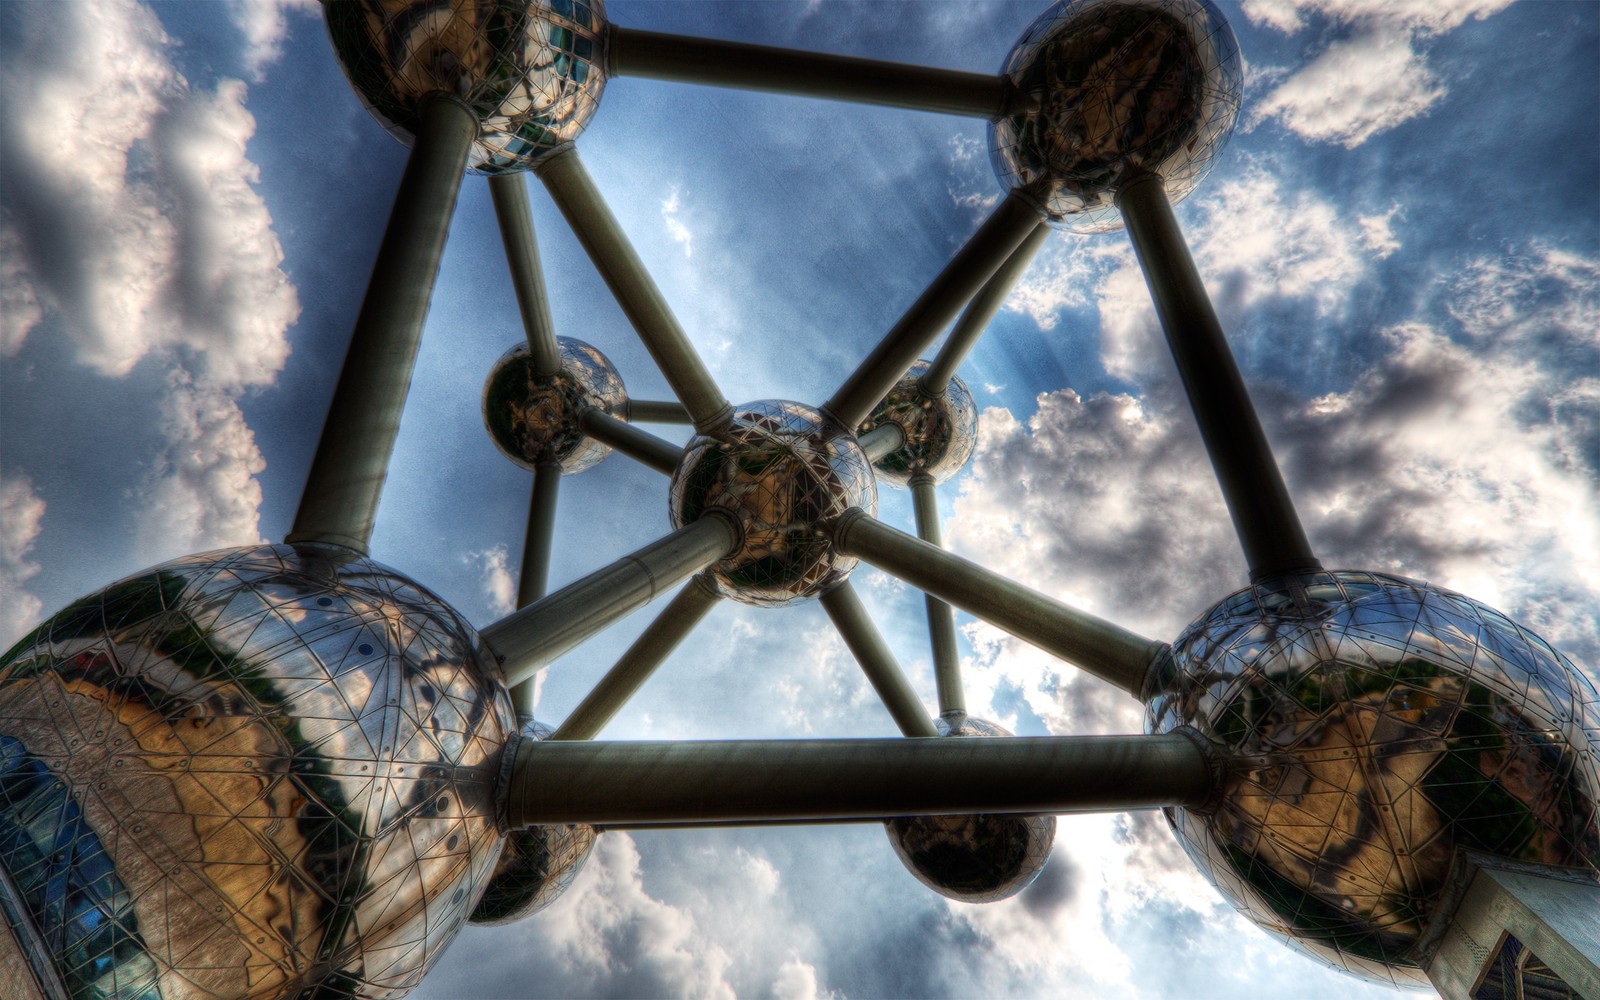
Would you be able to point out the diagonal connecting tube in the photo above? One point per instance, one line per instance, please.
(515, 216)
(941, 619)
(845, 610)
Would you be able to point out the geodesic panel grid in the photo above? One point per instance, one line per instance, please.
(782, 470)
(1379, 725)
(533, 418)
(252, 771)
(940, 433)
(532, 71)
(978, 858)
(1123, 87)
(537, 864)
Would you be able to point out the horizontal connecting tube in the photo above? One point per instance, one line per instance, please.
(515, 215)
(1107, 651)
(642, 446)
(882, 441)
(848, 616)
(733, 782)
(657, 56)
(980, 312)
(526, 641)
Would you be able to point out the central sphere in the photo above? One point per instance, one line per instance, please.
(532, 71)
(265, 771)
(782, 470)
(533, 418)
(1378, 726)
(1113, 88)
(940, 431)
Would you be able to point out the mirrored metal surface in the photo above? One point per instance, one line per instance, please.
(531, 70)
(255, 771)
(973, 859)
(537, 864)
(533, 418)
(782, 470)
(940, 431)
(1380, 725)
(1123, 86)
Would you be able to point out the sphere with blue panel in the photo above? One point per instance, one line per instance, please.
(266, 771)
(1377, 726)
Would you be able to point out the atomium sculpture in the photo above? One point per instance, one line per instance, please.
(288, 770)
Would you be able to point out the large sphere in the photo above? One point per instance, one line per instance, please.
(531, 70)
(537, 864)
(940, 431)
(256, 771)
(533, 418)
(973, 859)
(1122, 87)
(1378, 726)
(782, 470)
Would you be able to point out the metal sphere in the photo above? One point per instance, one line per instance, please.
(261, 771)
(1122, 87)
(533, 418)
(1378, 726)
(940, 431)
(537, 864)
(782, 470)
(973, 859)
(532, 71)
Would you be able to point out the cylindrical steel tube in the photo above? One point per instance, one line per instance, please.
(882, 440)
(1263, 514)
(654, 644)
(527, 640)
(340, 500)
(1108, 651)
(1007, 226)
(979, 312)
(630, 52)
(614, 257)
(848, 616)
(642, 446)
(719, 783)
(515, 215)
(533, 579)
(941, 619)
(650, 411)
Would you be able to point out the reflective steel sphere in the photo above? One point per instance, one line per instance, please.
(537, 864)
(1122, 87)
(531, 70)
(782, 470)
(940, 432)
(973, 859)
(1379, 725)
(255, 771)
(534, 418)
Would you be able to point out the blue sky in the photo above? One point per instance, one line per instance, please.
(1403, 240)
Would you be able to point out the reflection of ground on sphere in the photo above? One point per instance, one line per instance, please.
(782, 470)
(1385, 724)
(263, 771)
(940, 432)
(1124, 87)
(533, 418)
(532, 71)
(978, 858)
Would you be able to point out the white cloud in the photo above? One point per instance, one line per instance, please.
(21, 515)
(264, 26)
(670, 209)
(498, 582)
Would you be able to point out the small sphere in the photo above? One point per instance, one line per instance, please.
(537, 864)
(268, 770)
(532, 71)
(973, 859)
(533, 418)
(940, 432)
(783, 470)
(1378, 726)
(1122, 87)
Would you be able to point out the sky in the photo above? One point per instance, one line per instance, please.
(1402, 239)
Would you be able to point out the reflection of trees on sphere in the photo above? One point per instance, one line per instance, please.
(978, 858)
(532, 71)
(259, 770)
(940, 431)
(1124, 87)
(1383, 725)
(782, 470)
(533, 418)
(537, 864)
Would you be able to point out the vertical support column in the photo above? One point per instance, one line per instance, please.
(1263, 515)
(340, 501)
(941, 618)
(533, 581)
(515, 215)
